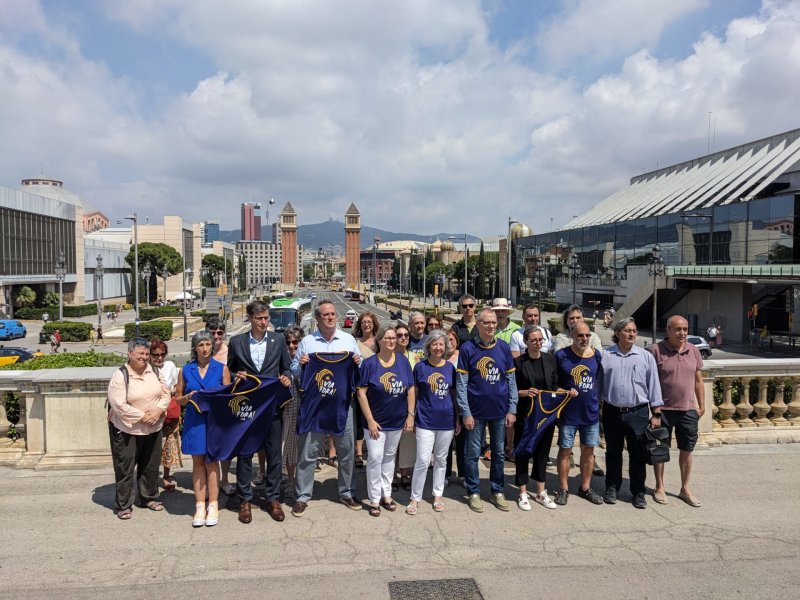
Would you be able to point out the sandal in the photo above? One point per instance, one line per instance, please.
(374, 511)
(405, 481)
(438, 506)
(389, 505)
(359, 461)
(153, 505)
(411, 509)
(124, 514)
(169, 485)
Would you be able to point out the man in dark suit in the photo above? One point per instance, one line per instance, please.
(261, 353)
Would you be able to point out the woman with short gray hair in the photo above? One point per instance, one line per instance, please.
(201, 374)
(137, 402)
(436, 418)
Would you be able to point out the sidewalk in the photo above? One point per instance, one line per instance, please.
(62, 540)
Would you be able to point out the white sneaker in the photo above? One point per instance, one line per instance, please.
(523, 502)
(212, 518)
(199, 515)
(544, 500)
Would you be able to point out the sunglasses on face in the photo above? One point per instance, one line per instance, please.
(158, 354)
(468, 305)
(402, 335)
(218, 332)
(535, 341)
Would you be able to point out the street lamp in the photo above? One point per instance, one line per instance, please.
(187, 278)
(165, 275)
(135, 218)
(508, 259)
(573, 268)
(375, 243)
(98, 277)
(473, 272)
(146, 272)
(60, 270)
(492, 278)
(656, 268)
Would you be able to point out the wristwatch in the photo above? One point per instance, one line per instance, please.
(412, 413)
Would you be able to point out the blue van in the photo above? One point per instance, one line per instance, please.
(10, 330)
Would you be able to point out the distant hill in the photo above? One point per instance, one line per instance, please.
(331, 233)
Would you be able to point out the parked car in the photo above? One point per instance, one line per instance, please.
(11, 355)
(11, 330)
(702, 345)
(352, 314)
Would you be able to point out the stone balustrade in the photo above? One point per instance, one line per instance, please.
(64, 417)
(753, 406)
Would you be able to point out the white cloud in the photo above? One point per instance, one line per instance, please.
(406, 109)
(598, 30)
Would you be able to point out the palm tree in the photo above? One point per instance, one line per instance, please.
(25, 297)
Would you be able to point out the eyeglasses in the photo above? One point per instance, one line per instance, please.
(217, 332)
(293, 342)
(583, 335)
(468, 305)
(389, 339)
(402, 335)
(535, 341)
(158, 354)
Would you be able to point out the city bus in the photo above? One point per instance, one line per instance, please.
(284, 312)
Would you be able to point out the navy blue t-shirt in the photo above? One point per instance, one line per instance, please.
(436, 389)
(387, 390)
(327, 386)
(585, 375)
(486, 368)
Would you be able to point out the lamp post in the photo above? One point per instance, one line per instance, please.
(60, 269)
(135, 218)
(573, 268)
(473, 272)
(508, 259)
(492, 277)
(424, 291)
(187, 278)
(98, 277)
(656, 268)
(146, 272)
(375, 243)
(165, 275)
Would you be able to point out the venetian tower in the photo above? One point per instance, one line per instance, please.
(288, 219)
(352, 246)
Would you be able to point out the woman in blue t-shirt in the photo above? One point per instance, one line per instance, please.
(386, 397)
(436, 417)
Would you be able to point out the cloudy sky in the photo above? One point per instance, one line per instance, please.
(430, 115)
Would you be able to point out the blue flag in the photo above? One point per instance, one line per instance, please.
(545, 410)
(239, 415)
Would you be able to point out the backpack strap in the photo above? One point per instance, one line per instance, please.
(125, 377)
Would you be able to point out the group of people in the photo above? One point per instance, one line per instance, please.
(415, 394)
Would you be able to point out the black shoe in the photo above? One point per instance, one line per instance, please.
(561, 497)
(597, 471)
(639, 501)
(590, 495)
(611, 495)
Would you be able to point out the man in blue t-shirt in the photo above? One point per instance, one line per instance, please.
(580, 371)
(417, 335)
(486, 392)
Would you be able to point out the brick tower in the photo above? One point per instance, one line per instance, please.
(352, 246)
(288, 229)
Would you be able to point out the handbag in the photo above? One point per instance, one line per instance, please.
(173, 410)
(656, 445)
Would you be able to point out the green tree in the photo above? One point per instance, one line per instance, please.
(50, 299)
(308, 272)
(25, 297)
(480, 282)
(215, 266)
(242, 273)
(158, 255)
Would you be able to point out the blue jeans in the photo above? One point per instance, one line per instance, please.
(497, 435)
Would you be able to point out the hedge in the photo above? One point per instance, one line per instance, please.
(71, 331)
(148, 329)
(65, 360)
(35, 314)
(113, 307)
(148, 314)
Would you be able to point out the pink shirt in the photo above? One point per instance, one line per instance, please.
(676, 372)
(221, 355)
(144, 392)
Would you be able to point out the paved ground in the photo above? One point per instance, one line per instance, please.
(62, 540)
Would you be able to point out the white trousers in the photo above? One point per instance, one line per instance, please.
(429, 441)
(380, 463)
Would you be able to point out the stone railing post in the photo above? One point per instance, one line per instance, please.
(727, 409)
(706, 424)
(761, 407)
(794, 405)
(779, 404)
(744, 409)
